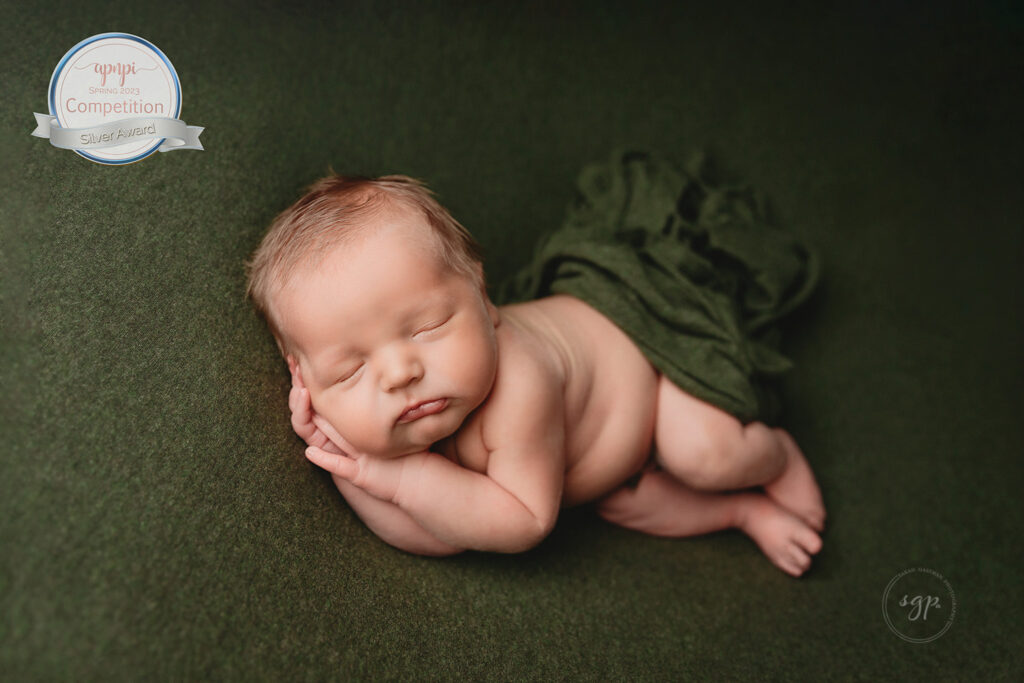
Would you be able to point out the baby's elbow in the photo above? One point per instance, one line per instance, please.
(439, 551)
(529, 535)
(426, 547)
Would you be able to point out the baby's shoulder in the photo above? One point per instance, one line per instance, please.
(524, 403)
(527, 361)
(528, 386)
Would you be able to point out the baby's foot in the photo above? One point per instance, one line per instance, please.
(784, 538)
(796, 489)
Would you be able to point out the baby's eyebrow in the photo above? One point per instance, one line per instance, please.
(407, 314)
(323, 363)
(418, 309)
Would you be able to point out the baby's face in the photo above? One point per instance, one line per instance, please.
(383, 326)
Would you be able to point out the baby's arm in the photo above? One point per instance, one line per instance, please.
(512, 506)
(391, 523)
(387, 520)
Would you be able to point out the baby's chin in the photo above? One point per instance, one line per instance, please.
(401, 445)
(430, 443)
(420, 435)
(424, 439)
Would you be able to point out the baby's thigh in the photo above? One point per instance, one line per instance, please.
(688, 430)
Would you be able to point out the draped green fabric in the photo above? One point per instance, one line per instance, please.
(689, 269)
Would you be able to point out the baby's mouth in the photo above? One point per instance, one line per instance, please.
(423, 409)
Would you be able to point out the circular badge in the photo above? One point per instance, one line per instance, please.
(919, 605)
(112, 77)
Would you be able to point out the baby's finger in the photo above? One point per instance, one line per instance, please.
(331, 433)
(303, 424)
(335, 463)
(303, 408)
(320, 440)
(301, 432)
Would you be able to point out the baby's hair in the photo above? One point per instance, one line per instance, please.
(334, 210)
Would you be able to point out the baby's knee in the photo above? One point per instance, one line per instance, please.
(715, 449)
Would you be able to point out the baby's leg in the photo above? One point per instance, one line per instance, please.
(796, 489)
(709, 449)
(662, 506)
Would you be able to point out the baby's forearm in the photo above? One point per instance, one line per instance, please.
(468, 509)
(392, 524)
(457, 506)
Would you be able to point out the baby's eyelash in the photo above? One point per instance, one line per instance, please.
(433, 326)
(350, 375)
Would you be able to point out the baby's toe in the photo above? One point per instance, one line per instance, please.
(787, 563)
(801, 558)
(809, 541)
(793, 560)
(815, 517)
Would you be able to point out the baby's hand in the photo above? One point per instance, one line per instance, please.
(380, 477)
(303, 415)
(329, 450)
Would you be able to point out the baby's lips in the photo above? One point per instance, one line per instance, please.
(423, 409)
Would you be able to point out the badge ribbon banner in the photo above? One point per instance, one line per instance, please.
(178, 135)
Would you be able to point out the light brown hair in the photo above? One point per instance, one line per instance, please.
(334, 210)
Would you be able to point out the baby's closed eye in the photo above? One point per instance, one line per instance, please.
(349, 373)
(425, 330)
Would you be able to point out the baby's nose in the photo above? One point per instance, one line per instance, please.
(400, 371)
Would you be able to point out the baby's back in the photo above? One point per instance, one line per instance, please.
(610, 391)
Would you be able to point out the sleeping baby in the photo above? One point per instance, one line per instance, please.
(449, 423)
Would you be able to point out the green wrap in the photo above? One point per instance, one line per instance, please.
(690, 271)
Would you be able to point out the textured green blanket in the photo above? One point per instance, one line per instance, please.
(690, 270)
(158, 520)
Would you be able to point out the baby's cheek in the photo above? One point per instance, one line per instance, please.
(370, 440)
(329, 411)
(471, 351)
(363, 432)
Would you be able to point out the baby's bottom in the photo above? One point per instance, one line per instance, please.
(709, 449)
(663, 506)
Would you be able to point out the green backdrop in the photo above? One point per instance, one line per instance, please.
(158, 518)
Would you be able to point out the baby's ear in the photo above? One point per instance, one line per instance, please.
(492, 311)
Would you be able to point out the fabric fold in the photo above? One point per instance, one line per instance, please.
(690, 270)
